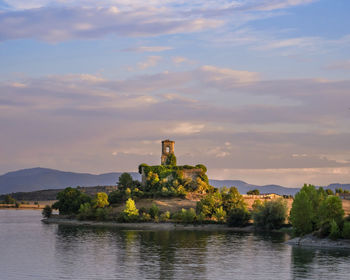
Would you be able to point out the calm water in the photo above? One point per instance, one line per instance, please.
(32, 250)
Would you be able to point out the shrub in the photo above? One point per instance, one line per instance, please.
(188, 216)
(145, 217)
(102, 214)
(100, 200)
(85, 211)
(47, 211)
(271, 214)
(335, 232)
(238, 217)
(346, 230)
(154, 211)
(220, 214)
(130, 208)
(125, 181)
(165, 216)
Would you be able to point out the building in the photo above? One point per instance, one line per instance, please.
(167, 149)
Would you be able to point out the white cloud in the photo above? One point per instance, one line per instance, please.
(148, 49)
(225, 75)
(151, 61)
(184, 128)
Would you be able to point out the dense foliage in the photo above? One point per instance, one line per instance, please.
(253, 192)
(47, 211)
(69, 201)
(317, 210)
(271, 214)
(169, 180)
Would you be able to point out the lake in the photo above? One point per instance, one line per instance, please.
(33, 250)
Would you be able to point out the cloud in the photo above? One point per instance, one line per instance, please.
(47, 23)
(184, 128)
(148, 49)
(215, 75)
(151, 61)
(43, 19)
(225, 118)
(339, 65)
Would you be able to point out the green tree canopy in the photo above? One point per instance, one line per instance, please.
(253, 192)
(331, 209)
(69, 201)
(125, 181)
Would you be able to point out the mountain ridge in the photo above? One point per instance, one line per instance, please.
(40, 178)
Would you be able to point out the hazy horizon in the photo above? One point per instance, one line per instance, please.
(257, 91)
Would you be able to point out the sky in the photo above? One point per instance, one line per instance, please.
(257, 90)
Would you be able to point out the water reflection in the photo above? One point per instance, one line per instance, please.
(32, 250)
(308, 262)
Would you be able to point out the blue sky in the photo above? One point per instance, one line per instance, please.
(256, 90)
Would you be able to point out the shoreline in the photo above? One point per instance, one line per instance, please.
(311, 241)
(148, 225)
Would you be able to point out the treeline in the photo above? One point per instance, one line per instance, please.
(320, 212)
(225, 206)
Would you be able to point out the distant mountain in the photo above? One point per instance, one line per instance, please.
(243, 187)
(34, 179)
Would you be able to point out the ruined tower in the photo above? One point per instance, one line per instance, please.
(167, 148)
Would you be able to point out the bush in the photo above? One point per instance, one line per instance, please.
(185, 216)
(220, 214)
(271, 214)
(47, 211)
(154, 211)
(335, 232)
(100, 200)
(346, 230)
(130, 208)
(238, 217)
(165, 216)
(102, 214)
(85, 211)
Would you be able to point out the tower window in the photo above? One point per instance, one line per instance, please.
(167, 149)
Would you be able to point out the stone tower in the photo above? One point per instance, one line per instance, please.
(167, 148)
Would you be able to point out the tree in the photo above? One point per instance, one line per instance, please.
(9, 199)
(331, 209)
(100, 200)
(69, 201)
(238, 217)
(305, 209)
(47, 211)
(125, 181)
(329, 192)
(130, 208)
(301, 214)
(271, 214)
(232, 199)
(253, 192)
